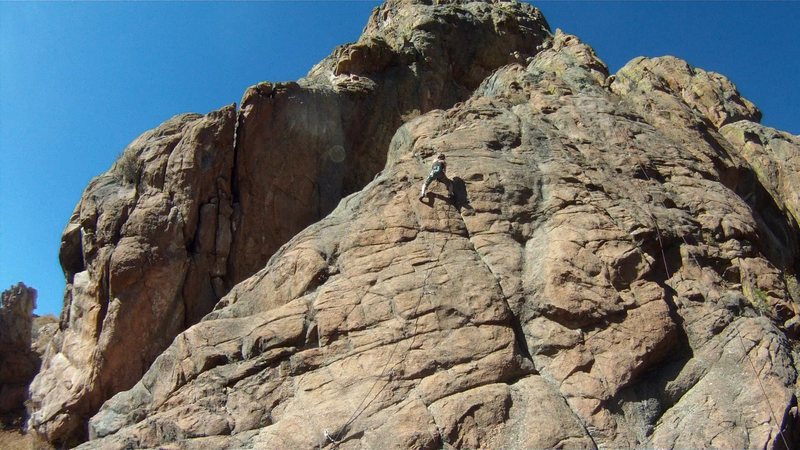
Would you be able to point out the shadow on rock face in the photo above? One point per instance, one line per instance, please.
(460, 198)
(460, 195)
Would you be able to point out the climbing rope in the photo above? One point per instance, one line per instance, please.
(337, 437)
(761, 385)
(697, 263)
(735, 328)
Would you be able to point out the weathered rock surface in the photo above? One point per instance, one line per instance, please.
(607, 276)
(774, 157)
(143, 254)
(18, 363)
(201, 202)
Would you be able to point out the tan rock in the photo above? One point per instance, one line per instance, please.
(586, 288)
(303, 146)
(602, 277)
(774, 160)
(713, 95)
(44, 328)
(129, 248)
(179, 221)
(470, 418)
(730, 392)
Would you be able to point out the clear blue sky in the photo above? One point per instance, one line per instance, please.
(80, 80)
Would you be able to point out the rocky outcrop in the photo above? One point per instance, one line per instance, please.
(774, 157)
(143, 254)
(605, 277)
(193, 207)
(18, 364)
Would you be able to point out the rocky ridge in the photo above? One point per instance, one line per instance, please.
(618, 268)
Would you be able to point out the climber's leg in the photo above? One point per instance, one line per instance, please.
(425, 185)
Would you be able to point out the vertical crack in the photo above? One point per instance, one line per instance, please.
(515, 323)
(237, 129)
(519, 335)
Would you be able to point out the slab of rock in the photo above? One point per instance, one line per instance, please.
(601, 279)
(672, 82)
(774, 157)
(43, 330)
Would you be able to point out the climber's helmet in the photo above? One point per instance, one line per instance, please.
(441, 156)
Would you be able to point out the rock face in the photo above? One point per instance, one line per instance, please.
(143, 253)
(618, 267)
(44, 328)
(18, 364)
(189, 209)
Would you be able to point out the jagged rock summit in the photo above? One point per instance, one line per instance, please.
(618, 267)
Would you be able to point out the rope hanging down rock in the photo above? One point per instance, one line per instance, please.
(337, 438)
(697, 263)
(735, 328)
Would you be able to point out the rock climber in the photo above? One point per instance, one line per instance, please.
(438, 174)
